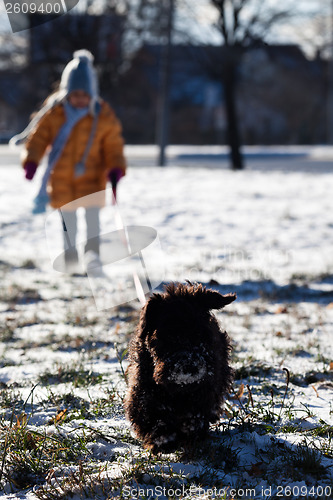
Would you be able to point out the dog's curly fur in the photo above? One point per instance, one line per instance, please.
(179, 371)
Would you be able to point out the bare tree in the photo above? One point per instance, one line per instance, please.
(242, 24)
(153, 21)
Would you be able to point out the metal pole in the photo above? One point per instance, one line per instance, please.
(330, 83)
(163, 101)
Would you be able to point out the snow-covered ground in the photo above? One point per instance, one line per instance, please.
(265, 232)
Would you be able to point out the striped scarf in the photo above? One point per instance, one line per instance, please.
(73, 116)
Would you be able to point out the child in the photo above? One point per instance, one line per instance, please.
(86, 149)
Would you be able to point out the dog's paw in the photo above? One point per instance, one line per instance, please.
(161, 439)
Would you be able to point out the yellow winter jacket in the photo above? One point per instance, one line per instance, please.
(106, 152)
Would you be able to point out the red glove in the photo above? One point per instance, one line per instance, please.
(114, 176)
(30, 168)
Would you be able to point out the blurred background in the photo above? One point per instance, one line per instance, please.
(226, 72)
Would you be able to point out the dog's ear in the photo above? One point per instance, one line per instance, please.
(149, 314)
(211, 299)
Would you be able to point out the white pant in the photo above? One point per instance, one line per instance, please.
(69, 220)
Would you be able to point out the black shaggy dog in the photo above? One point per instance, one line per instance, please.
(179, 368)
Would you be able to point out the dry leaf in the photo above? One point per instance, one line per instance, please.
(59, 417)
(30, 441)
(227, 413)
(313, 387)
(281, 310)
(21, 420)
(227, 410)
(240, 391)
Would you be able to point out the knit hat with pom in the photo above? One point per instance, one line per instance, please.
(79, 74)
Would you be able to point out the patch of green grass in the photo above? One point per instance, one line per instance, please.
(7, 332)
(15, 294)
(27, 455)
(74, 373)
(28, 264)
(221, 455)
(10, 397)
(311, 377)
(323, 430)
(83, 481)
(57, 448)
(259, 370)
(307, 461)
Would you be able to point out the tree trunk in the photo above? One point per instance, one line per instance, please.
(163, 117)
(233, 138)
